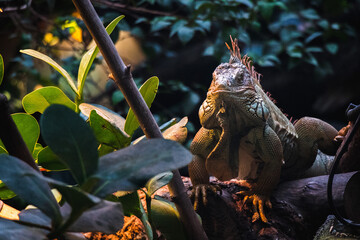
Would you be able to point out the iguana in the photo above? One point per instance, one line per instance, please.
(245, 136)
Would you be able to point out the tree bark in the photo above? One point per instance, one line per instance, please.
(300, 207)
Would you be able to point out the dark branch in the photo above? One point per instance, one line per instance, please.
(11, 137)
(120, 6)
(125, 82)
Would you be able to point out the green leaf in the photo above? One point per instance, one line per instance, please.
(206, 25)
(112, 117)
(171, 130)
(313, 36)
(209, 51)
(310, 14)
(2, 148)
(295, 50)
(50, 161)
(148, 92)
(185, 34)
(311, 60)
(11, 230)
(130, 202)
(37, 149)
(158, 182)
(79, 200)
(133, 206)
(89, 56)
(1, 69)
(130, 168)
(104, 149)
(159, 23)
(117, 97)
(72, 139)
(106, 217)
(106, 133)
(332, 47)
(40, 99)
(313, 49)
(177, 26)
(5, 192)
(52, 63)
(166, 218)
(28, 127)
(29, 184)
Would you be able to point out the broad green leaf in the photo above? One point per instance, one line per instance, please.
(52, 63)
(310, 14)
(166, 218)
(185, 34)
(5, 192)
(37, 149)
(89, 56)
(133, 206)
(40, 99)
(72, 139)
(313, 36)
(332, 48)
(50, 161)
(106, 133)
(106, 217)
(79, 200)
(177, 26)
(163, 128)
(29, 184)
(1, 69)
(177, 132)
(11, 230)
(131, 203)
(34, 215)
(104, 149)
(109, 115)
(157, 182)
(28, 127)
(148, 91)
(130, 168)
(2, 148)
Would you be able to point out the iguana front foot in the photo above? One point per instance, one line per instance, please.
(258, 202)
(200, 194)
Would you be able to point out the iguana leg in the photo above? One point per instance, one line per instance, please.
(203, 143)
(266, 149)
(313, 134)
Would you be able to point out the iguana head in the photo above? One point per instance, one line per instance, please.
(233, 83)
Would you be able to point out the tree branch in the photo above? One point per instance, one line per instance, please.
(120, 6)
(125, 82)
(11, 137)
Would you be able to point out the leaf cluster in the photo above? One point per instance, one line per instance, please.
(94, 144)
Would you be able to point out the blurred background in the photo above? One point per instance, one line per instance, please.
(307, 51)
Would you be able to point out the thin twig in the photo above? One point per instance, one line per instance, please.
(125, 82)
(120, 6)
(11, 137)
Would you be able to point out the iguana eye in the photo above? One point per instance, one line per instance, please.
(239, 76)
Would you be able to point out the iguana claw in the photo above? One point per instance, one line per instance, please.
(200, 192)
(258, 202)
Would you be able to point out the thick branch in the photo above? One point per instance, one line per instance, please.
(147, 122)
(11, 137)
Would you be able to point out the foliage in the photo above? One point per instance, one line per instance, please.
(97, 153)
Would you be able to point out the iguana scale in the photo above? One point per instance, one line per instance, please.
(245, 136)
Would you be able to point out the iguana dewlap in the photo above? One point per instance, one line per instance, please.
(245, 137)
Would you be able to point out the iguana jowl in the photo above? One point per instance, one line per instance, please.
(245, 137)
